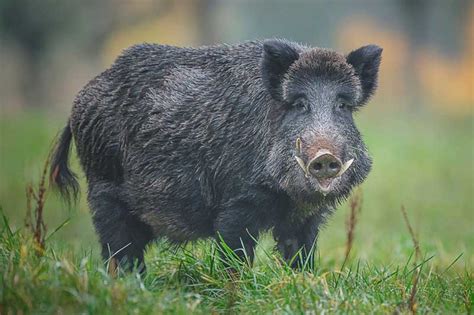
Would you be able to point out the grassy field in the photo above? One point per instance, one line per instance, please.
(421, 161)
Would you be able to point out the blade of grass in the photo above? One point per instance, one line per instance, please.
(454, 261)
(66, 222)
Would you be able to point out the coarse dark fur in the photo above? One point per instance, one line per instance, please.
(188, 143)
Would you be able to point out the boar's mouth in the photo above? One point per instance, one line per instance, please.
(324, 184)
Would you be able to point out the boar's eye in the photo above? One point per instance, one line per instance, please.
(343, 102)
(342, 106)
(300, 104)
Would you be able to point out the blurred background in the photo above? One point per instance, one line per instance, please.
(418, 127)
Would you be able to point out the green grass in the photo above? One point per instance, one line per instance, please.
(422, 161)
(194, 279)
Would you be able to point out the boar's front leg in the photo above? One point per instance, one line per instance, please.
(296, 241)
(238, 228)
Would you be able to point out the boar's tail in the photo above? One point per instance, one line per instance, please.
(60, 175)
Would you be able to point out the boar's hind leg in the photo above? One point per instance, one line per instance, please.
(297, 242)
(122, 235)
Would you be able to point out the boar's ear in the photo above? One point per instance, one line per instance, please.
(278, 55)
(366, 62)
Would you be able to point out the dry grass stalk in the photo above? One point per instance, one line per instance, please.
(34, 219)
(112, 268)
(414, 238)
(411, 303)
(355, 205)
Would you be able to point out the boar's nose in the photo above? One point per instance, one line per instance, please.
(324, 165)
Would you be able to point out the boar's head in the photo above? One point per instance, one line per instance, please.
(317, 152)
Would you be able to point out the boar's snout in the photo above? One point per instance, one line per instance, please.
(324, 165)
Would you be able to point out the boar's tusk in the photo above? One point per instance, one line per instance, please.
(298, 146)
(300, 161)
(301, 164)
(345, 167)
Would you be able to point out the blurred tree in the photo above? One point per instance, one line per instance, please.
(205, 12)
(33, 27)
(414, 15)
(437, 24)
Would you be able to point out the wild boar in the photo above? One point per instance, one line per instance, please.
(221, 141)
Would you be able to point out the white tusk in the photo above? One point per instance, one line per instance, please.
(301, 164)
(345, 167)
(298, 146)
(300, 161)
